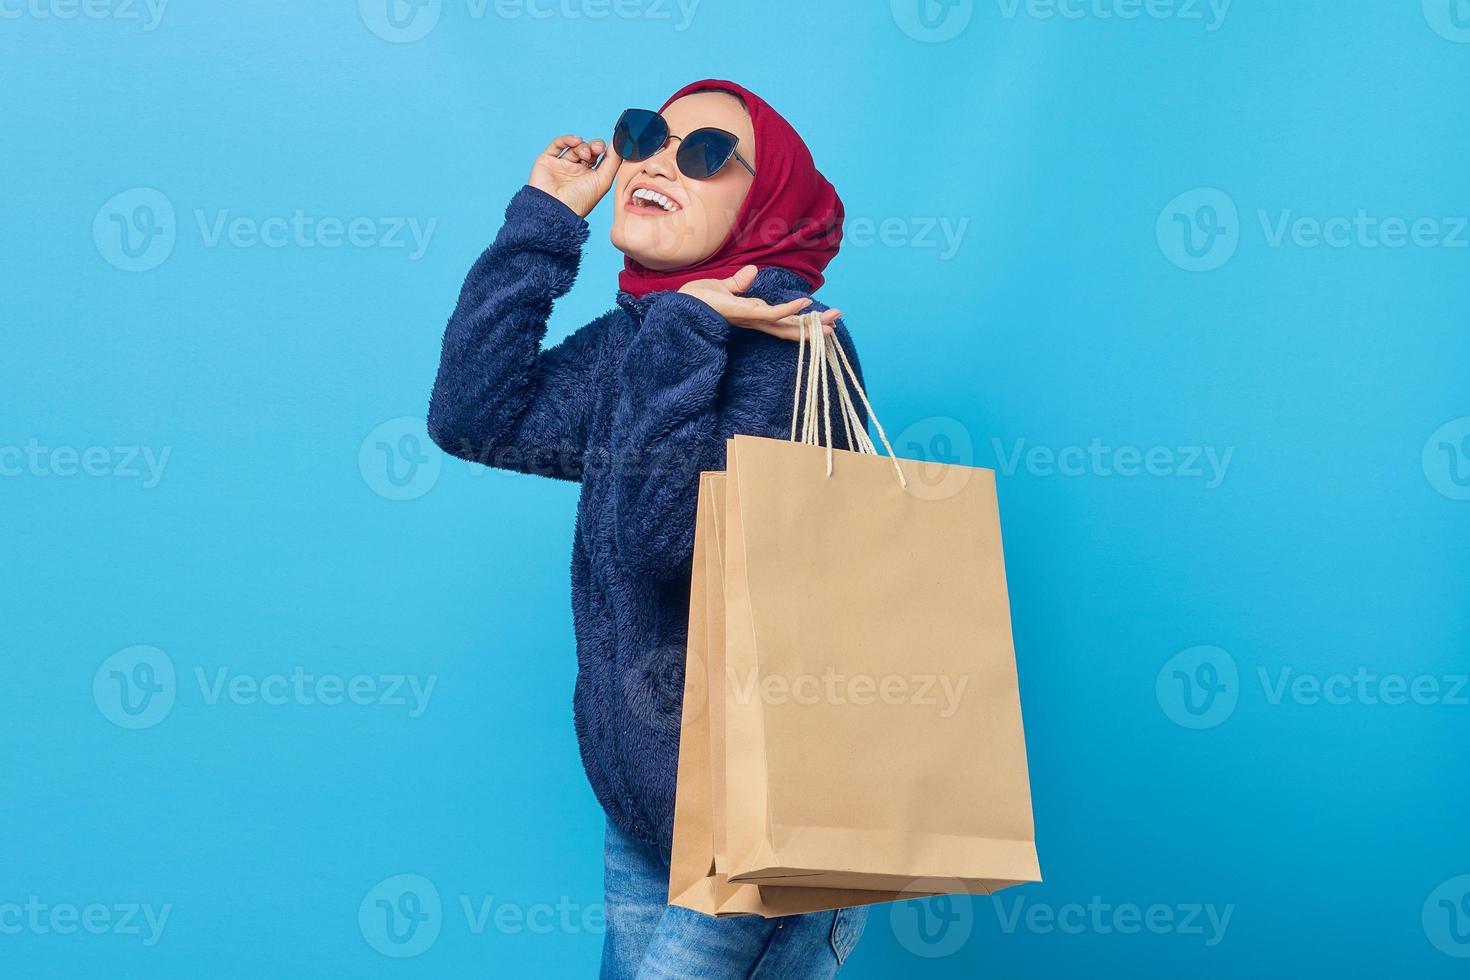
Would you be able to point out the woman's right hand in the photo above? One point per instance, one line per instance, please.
(571, 178)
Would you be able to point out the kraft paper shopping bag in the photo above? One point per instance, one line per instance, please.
(694, 881)
(872, 719)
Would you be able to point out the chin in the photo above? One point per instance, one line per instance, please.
(644, 250)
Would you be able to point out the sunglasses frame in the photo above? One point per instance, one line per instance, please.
(668, 135)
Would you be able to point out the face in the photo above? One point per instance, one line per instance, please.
(700, 213)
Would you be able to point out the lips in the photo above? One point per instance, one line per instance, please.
(646, 199)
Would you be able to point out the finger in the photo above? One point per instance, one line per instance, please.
(785, 329)
(791, 327)
(561, 143)
(757, 311)
(607, 170)
(829, 317)
(780, 312)
(742, 279)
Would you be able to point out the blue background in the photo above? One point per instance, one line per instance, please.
(1335, 543)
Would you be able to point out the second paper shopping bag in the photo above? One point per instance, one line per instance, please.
(872, 734)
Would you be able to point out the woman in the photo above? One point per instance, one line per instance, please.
(726, 225)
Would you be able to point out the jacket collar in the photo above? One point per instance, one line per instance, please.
(772, 283)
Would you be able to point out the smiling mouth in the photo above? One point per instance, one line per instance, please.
(646, 200)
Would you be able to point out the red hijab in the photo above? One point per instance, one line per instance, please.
(791, 218)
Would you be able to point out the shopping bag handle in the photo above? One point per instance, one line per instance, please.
(829, 359)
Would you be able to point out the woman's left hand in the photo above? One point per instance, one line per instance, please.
(723, 296)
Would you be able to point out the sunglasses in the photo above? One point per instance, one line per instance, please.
(642, 133)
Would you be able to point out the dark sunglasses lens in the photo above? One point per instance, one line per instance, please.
(703, 152)
(639, 134)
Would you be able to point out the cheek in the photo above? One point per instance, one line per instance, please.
(717, 207)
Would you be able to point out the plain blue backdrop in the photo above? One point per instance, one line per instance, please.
(1192, 277)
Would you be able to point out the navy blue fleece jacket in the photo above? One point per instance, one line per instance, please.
(633, 406)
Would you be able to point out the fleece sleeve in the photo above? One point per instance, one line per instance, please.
(665, 430)
(499, 399)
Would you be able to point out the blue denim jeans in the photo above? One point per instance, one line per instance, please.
(648, 939)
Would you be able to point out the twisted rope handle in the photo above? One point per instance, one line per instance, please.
(828, 358)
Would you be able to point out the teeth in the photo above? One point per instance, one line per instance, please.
(644, 194)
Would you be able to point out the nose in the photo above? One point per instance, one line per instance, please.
(662, 163)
